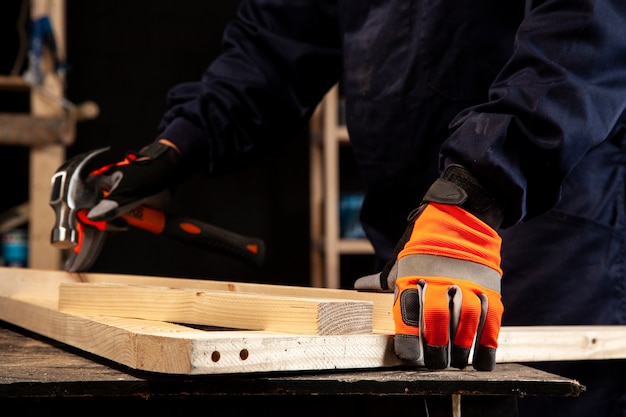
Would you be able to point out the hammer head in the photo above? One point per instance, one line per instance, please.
(74, 191)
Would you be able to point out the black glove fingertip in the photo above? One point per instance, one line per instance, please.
(484, 358)
(460, 357)
(436, 357)
(407, 347)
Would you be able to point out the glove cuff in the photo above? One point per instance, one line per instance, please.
(156, 150)
(168, 159)
(450, 231)
(458, 187)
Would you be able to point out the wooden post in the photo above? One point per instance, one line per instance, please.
(46, 159)
(332, 268)
(316, 198)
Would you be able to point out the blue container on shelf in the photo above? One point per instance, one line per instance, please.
(15, 248)
(349, 223)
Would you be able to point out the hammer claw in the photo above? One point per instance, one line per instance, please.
(83, 257)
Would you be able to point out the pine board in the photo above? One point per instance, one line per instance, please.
(219, 308)
(170, 348)
(30, 299)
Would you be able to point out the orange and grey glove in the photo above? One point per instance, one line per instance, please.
(446, 277)
(144, 177)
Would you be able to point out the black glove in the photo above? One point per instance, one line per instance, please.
(145, 177)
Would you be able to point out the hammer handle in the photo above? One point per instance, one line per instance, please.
(191, 231)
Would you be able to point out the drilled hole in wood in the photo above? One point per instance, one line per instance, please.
(243, 354)
(594, 341)
(215, 356)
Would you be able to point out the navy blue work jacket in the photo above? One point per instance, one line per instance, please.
(528, 95)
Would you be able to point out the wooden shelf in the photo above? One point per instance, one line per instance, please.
(355, 246)
(347, 246)
(327, 246)
(45, 130)
(13, 83)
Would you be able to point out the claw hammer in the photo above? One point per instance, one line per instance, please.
(74, 193)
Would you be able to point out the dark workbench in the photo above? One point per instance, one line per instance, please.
(41, 377)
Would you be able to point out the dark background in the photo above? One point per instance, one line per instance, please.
(125, 55)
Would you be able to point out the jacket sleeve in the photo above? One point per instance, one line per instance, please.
(278, 59)
(561, 93)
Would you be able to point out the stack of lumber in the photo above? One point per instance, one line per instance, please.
(189, 326)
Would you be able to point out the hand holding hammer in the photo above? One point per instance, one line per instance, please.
(88, 203)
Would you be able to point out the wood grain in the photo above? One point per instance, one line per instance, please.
(29, 299)
(45, 284)
(220, 308)
(163, 347)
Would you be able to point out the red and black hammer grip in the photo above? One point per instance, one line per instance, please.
(191, 231)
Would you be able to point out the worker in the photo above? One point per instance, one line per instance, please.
(490, 136)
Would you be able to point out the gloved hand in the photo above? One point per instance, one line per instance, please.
(142, 177)
(446, 277)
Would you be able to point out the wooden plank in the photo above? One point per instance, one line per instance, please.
(28, 130)
(45, 283)
(219, 308)
(13, 83)
(36, 367)
(157, 346)
(561, 343)
(382, 302)
(517, 344)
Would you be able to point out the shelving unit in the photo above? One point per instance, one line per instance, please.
(327, 247)
(45, 117)
(47, 129)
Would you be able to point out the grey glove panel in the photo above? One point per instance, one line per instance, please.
(431, 266)
(441, 266)
(370, 283)
(380, 282)
(109, 209)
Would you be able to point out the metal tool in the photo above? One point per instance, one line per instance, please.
(75, 192)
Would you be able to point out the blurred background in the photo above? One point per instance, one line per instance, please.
(125, 55)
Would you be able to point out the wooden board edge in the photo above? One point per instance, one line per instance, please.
(161, 347)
